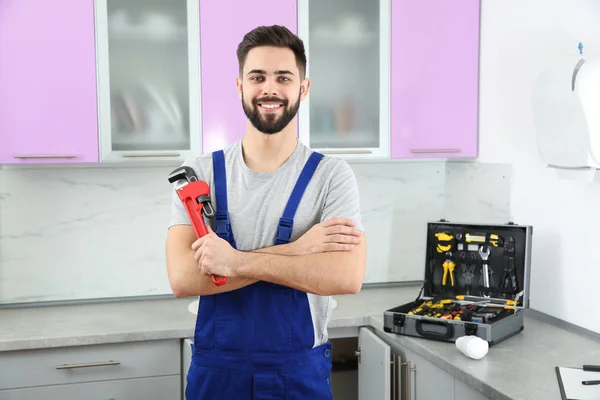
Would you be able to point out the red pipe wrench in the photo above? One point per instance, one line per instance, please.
(195, 196)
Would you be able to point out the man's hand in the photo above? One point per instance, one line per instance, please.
(335, 234)
(215, 256)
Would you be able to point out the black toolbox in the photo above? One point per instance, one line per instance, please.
(456, 299)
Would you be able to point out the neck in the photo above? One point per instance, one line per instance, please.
(266, 153)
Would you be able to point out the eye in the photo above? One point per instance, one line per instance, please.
(256, 78)
(284, 78)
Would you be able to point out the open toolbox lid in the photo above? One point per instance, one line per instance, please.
(461, 249)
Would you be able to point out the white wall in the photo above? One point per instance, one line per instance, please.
(519, 38)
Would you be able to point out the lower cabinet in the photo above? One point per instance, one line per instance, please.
(462, 391)
(156, 388)
(388, 371)
(133, 370)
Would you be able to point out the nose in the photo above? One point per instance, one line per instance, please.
(270, 88)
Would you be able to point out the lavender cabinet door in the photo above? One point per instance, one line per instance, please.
(223, 24)
(434, 78)
(47, 82)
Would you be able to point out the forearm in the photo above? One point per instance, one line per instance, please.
(187, 280)
(326, 273)
(288, 249)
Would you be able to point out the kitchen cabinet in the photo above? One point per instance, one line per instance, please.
(223, 25)
(434, 78)
(131, 370)
(148, 55)
(47, 82)
(462, 391)
(348, 49)
(411, 374)
(374, 367)
(156, 388)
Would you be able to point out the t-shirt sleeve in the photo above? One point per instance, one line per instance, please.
(342, 198)
(179, 214)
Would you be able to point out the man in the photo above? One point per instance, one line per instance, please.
(287, 235)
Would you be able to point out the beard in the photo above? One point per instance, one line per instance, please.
(270, 123)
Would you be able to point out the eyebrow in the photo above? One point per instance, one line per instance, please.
(278, 72)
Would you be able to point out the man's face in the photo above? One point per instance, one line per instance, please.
(271, 88)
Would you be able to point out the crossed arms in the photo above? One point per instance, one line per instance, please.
(328, 259)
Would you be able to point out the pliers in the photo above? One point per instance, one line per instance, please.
(468, 273)
(448, 270)
(509, 279)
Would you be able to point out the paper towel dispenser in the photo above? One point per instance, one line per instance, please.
(566, 111)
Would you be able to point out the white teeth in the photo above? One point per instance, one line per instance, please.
(271, 105)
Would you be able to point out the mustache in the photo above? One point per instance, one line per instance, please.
(270, 99)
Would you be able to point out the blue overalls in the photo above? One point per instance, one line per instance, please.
(256, 343)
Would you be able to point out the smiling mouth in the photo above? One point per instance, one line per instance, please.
(270, 106)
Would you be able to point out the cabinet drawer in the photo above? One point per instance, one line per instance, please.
(89, 363)
(157, 388)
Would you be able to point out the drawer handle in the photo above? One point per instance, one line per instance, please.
(142, 155)
(435, 150)
(346, 151)
(87, 365)
(45, 156)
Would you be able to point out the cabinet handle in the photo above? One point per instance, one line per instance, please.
(142, 155)
(87, 365)
(409, 370)
(346, 151)
(44, 156)
(434, 151)
(397, 378)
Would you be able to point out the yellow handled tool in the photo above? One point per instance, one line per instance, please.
(444, 237)
(448, 270)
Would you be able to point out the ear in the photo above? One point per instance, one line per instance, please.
(304, 88)
(238, 84)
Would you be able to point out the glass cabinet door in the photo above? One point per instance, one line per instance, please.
(347, 108)
(148, 78)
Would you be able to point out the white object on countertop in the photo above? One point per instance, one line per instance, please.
(472, 346)
(193, 306)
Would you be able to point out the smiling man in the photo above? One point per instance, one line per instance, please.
(287, 235)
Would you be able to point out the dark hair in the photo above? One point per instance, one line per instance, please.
(275, 35)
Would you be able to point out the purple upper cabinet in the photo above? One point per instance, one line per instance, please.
(47, 82)
(223, 24)
(434, 78)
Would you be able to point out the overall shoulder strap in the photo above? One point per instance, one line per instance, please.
(222, 220)
(286, 222)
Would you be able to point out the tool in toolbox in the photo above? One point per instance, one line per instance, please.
(468, 274)
(444, 242)
(195, 196)
(448, 266)
(484, 252)
(442, 311)
(509, 278)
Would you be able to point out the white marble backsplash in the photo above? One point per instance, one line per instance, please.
(478, 192)
(80, 233)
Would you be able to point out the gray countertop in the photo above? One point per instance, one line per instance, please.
(114, 322)
(520, 368)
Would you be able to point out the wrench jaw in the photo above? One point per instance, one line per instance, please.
(182, 176)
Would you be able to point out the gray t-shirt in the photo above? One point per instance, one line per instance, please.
(256, 201)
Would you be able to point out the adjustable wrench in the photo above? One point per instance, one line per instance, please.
(484, 252)
(195, 196)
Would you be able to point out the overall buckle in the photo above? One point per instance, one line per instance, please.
(284, 230)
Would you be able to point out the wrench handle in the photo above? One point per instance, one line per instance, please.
(219, 280)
